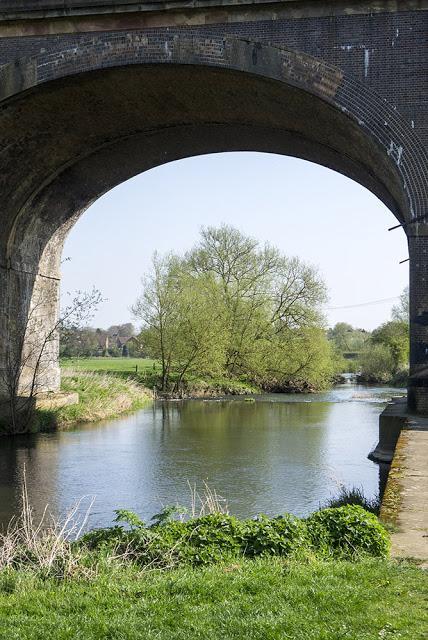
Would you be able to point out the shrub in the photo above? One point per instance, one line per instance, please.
(377, 364)
(54, 550)
(198, 541)
(204, 540)
(354, 495)
(212, 538)
(347, 531)
(274, 536)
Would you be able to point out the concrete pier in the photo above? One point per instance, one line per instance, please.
(405, 501)
(393, 419)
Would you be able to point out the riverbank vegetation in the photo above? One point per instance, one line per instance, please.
(146, 372)
(30, 352)
(380, 356)
(212, 575)
(233, 309)
(354, 495)
(101, 397)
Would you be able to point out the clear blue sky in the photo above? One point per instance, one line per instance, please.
(302, 208)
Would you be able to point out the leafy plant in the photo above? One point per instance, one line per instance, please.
(167, 514)
(347, 531)
(274, 536)
(129, 517)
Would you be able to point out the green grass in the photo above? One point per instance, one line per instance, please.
(101, 397)
(120, 365)
(266, 599)
(148, 375)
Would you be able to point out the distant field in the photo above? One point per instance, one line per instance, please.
(109, 364)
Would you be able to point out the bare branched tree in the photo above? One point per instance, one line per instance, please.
(31, 352)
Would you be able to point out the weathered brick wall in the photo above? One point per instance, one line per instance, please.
(386, 51)
(418, 385)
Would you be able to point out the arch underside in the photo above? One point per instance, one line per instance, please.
(70, 133)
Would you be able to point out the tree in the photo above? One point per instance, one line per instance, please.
(265, 295)
(386, 357)
(76, 342)
(394, 335)
(199, 336)
(31, 346)
(347, 338)
(181, 325)
(301, 359)
(123, 330)
(377, 364)
(400, 312)
(157, 308)
(230, 306)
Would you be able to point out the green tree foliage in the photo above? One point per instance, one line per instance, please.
(78, 342)
(377, 364)
(394, 335)
(400, 311)
(123, 330)
(386, 356)
(233, 308)
(182, 325)
(348, 339)
(347, 343)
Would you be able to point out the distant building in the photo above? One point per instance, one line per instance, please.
(115, 344)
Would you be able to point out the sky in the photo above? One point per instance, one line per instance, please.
(302, 208)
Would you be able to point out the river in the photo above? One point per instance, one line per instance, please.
(270, 454)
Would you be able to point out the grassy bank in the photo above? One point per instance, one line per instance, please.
(146, 372)
(263, 599)
(325, 577)
(101, 397)
(213, 576)
(113, 365)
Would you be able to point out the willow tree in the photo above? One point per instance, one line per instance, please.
(268, 299)
(233, 307)
(181, 319)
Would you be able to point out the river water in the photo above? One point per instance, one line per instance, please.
(270, 454)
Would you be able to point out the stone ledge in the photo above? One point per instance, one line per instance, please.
(51, 401)
(20, 10)
(395, 418)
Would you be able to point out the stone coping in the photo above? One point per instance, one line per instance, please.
(32, 9)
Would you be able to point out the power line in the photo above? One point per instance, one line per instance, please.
(364, 304)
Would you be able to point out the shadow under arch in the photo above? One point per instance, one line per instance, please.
(75, 123)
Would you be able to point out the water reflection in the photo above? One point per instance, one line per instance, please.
(35, 457)
(276, 453)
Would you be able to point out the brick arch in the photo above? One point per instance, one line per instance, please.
(91, 116)
(377, 119)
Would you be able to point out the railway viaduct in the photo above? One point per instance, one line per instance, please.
(93, 92)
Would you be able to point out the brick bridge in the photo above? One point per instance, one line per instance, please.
(93, 92)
